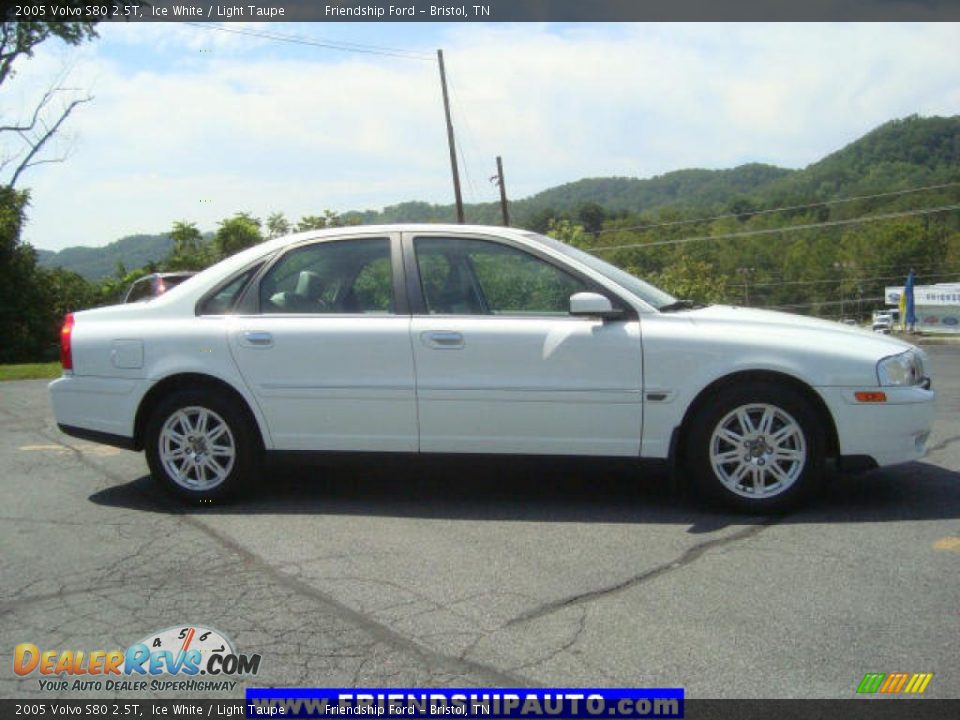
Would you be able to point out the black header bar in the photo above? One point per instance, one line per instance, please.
(490, 10)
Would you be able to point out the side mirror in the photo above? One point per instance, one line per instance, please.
(593, 305)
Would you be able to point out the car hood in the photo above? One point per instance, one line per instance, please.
(796, 328)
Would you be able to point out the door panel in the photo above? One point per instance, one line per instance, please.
(525, 385)
(501, 367)
(332, 383)
(327, 360)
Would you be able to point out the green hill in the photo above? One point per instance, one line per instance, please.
(908, 153)
(685, 187)
(901, 154)
(99, 262)
(689, 188)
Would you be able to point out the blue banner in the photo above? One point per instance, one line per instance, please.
(467, 703)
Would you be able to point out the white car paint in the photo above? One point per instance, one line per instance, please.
(468, 383)
(331, 383)
(574, 385)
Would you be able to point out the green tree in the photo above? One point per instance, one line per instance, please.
(67, 292)
(691, 279)
(569, 232)
(329, 219)
(19, 38)
(30, 299)
(277, 225)
(591, 215)
(23, 311)
(190, 252)
(236, 234)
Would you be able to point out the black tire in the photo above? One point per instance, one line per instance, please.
(773, 481)
(198, 480)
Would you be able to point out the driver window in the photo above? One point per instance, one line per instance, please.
(478, 277)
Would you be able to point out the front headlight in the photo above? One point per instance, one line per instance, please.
(903, 369)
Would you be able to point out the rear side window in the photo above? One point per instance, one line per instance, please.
(339, 277)
(224, 299)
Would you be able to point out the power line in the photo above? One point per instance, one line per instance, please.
(781, 230)
(900, 267)
(466, 171)
(321, 43)
(778, 279)
(836, 201)
(846, 301)
(457, 108)
(838, 280)
(460, 111)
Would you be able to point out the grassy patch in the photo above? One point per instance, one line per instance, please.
(30, 371)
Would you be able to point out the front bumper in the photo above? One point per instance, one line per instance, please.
(891, 432)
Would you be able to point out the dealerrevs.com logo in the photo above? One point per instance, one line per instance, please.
(182, 651)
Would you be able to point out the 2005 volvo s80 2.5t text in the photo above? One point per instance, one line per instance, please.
(463, 339)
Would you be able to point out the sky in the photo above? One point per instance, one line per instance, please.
(196, 124)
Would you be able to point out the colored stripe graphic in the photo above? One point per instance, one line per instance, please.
(918, 683)
(893, 683)
(871, 682)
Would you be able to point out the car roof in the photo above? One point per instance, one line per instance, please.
(393, 228)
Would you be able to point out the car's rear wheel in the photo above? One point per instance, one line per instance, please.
(201, 446)
(758, 448)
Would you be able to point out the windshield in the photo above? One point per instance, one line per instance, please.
(645, 291)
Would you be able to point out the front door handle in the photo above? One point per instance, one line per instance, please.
(258, 338)
(442, 339)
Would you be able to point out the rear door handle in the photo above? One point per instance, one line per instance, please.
(258, 338)
(442, 339)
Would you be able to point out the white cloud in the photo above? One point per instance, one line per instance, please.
(179, 133)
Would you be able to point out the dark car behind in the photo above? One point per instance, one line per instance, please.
(149, 286)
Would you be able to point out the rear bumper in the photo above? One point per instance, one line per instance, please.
(855, 464)
(892, 432)
(97, 408)
(126, 443)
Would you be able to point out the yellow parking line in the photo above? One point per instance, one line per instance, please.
(85, 448)
(949, 543)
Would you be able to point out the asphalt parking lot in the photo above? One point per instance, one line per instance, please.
(391, 574)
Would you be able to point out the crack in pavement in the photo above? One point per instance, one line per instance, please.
(942, 444)
(18, 601)
(376, 630)
(83, 459)
(689, 556)
(578, 631)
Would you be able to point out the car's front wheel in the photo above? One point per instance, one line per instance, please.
(758, 448)
(200, 446)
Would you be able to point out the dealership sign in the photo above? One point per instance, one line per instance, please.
(940, 294)
(937, 306)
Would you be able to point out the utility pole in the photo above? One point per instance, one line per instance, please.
(745, 271)
(450, 140)
(841, 267)
(498, 179)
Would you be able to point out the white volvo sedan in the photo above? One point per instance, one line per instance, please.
(464, 339)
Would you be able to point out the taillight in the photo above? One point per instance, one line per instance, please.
(66, 351)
